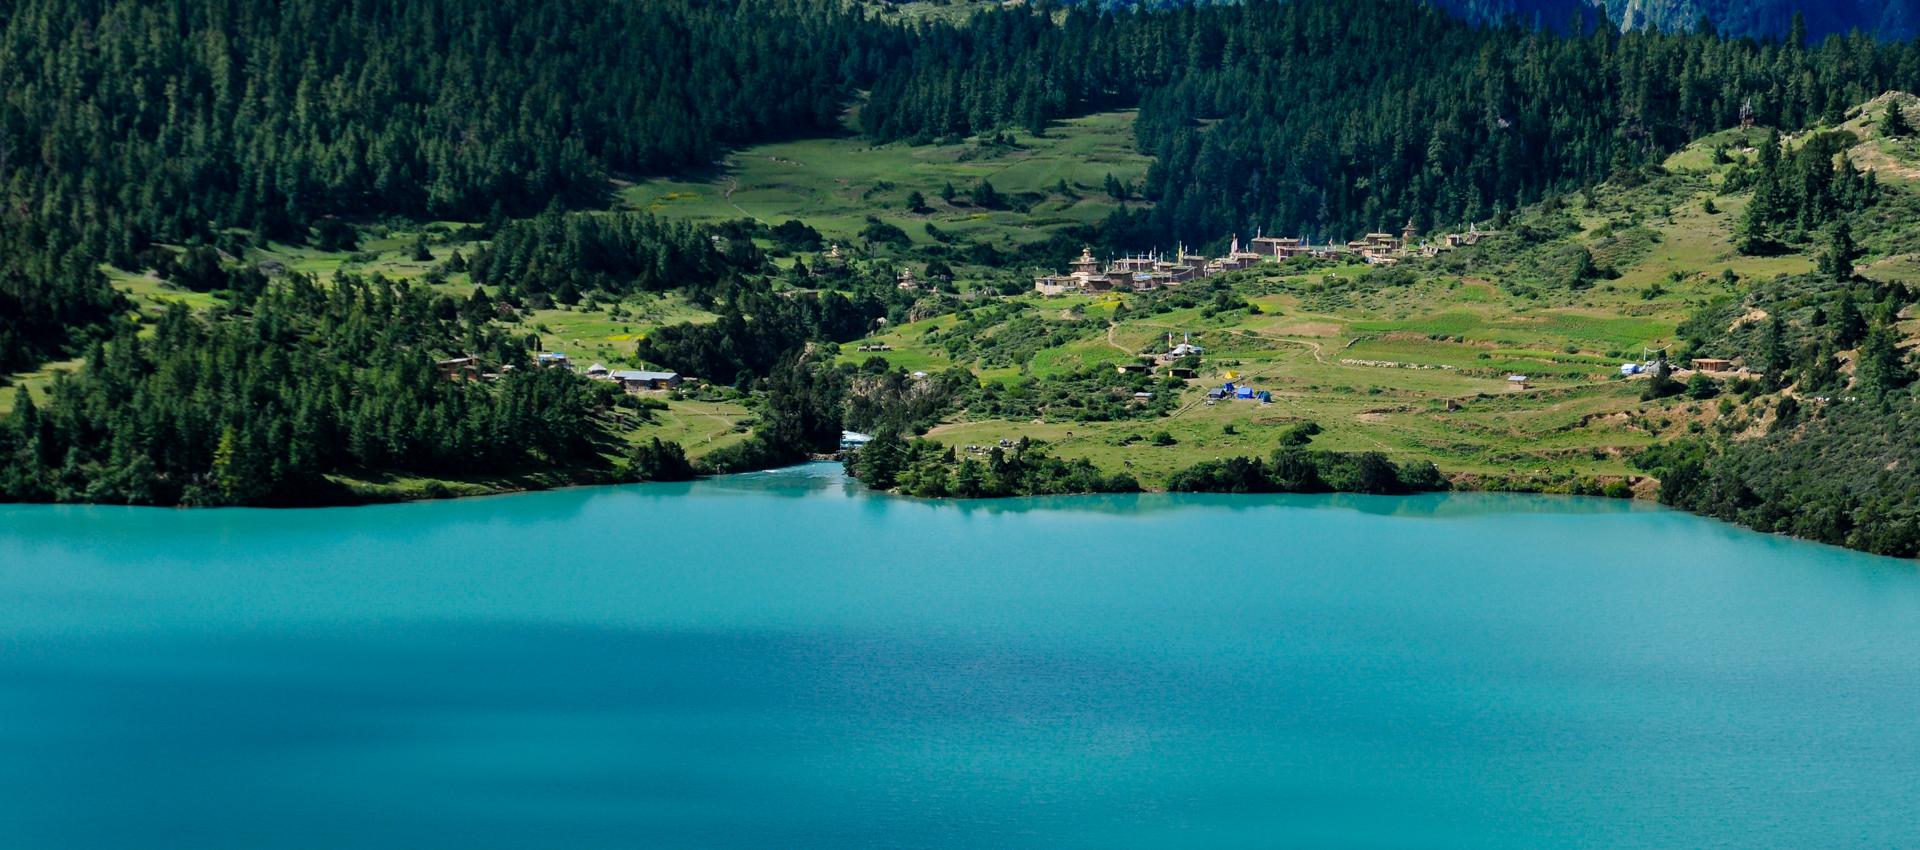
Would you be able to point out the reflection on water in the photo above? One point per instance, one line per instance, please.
(822, 477)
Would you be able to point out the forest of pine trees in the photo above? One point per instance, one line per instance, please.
(126, 122)
(182, 121)
(1796, 195)
(1330, 117)
(168, 137)
(312, 380)
(563, 256)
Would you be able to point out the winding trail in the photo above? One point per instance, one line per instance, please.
(733, 185)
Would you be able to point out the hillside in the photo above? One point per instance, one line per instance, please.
(1411, 361)
(1062, 181)
(1414, 361)
(287, 313)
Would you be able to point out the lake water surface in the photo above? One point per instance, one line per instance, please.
(783, 661)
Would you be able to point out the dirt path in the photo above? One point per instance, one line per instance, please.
(733, 185)
(726, 425)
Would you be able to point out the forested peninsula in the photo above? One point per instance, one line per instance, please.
(279, 252)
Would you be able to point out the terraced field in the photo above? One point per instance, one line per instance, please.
(1418, 368)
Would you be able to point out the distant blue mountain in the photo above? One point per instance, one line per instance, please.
(1886, 19)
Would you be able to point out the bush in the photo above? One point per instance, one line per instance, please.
(1701, 387)
(656, 460)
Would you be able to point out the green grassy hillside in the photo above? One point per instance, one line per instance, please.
(1415, 361)
(834, 185)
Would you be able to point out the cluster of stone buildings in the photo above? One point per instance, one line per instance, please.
(1138, 273)
(1152, 271)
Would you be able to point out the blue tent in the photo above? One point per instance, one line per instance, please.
(1243, 392)
(1228, 386)
(1266, 397)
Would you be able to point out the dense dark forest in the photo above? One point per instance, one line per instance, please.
(188, 115)
(124, 123)
(127, 123)
(52, 294)
(756, 329)
(257, 408)
(563, 256)
(1330, 117)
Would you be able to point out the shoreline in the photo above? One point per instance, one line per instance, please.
(402, 491)
(399, 489)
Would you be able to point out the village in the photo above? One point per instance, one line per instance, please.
(1142, 273)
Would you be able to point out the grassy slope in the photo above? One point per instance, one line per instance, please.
(827, 182)
(1454, 336)
(834, 184)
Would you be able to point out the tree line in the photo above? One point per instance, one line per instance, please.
(927, 469)
(127, 122)
(566, 255)
(1296, 468)
(259, 408)
(1331, 117)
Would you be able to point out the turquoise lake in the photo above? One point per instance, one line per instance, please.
(783, 660)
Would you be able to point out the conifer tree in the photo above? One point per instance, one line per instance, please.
(1837, 260)
(1776, 357)
(1849, 325)
(1894, 124)
(1882, 365)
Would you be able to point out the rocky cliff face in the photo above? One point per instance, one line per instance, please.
(1890, 19)
(1886, 19)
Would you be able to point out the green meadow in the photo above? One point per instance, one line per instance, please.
(835, 184)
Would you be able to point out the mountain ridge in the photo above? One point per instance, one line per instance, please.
(1896, 20)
